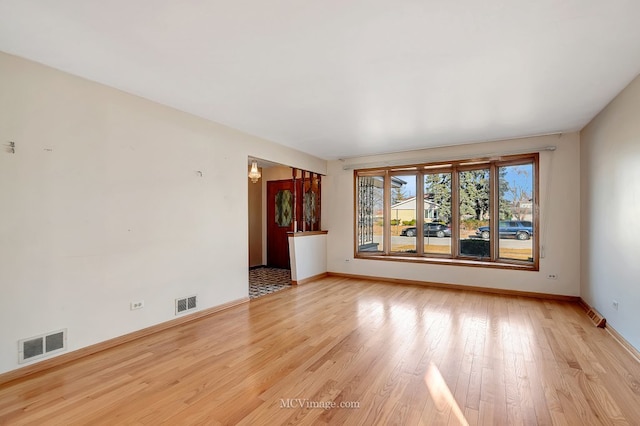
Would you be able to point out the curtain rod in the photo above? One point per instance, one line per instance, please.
(419, 160)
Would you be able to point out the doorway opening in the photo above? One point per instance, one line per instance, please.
(269, 269)
(282, 200)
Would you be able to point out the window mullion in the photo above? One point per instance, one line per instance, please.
(455, 213)
(387, 212)
(536, 211)
(420, 213)
(494, 212)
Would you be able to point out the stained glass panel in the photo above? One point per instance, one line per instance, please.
(284, 208)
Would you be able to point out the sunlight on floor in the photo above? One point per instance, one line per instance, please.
(441, 394)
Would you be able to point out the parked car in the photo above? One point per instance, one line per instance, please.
(520, 229)
(434, 229)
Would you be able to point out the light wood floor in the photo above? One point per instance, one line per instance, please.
(383, 353)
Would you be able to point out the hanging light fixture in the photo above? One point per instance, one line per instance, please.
(254, 174)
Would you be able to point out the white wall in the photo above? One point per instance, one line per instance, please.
(308, 256)
(255, 221)
(559, 218)
(102, 204)
(611, 212)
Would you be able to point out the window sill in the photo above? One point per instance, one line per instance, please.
(455, 262)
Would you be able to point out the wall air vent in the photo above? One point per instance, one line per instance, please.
(596, 318)
(186, 304)
(41, 346)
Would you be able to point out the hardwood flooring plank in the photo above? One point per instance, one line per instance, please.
(348, 351)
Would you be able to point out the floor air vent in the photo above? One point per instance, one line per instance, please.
(41, 346)
(186, 304)
(596, 318)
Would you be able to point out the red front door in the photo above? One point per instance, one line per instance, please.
(280, 220)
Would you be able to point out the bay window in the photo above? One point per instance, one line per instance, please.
(444, 212)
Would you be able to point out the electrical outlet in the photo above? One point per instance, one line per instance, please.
(615, 304)
(552, 276)
(137, 305)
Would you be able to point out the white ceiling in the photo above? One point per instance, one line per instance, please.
(347, 78)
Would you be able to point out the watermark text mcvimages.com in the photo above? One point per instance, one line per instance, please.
(323, 405)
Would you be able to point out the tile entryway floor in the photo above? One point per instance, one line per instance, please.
(266, 280)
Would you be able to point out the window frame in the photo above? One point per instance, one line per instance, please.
(454, 167)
